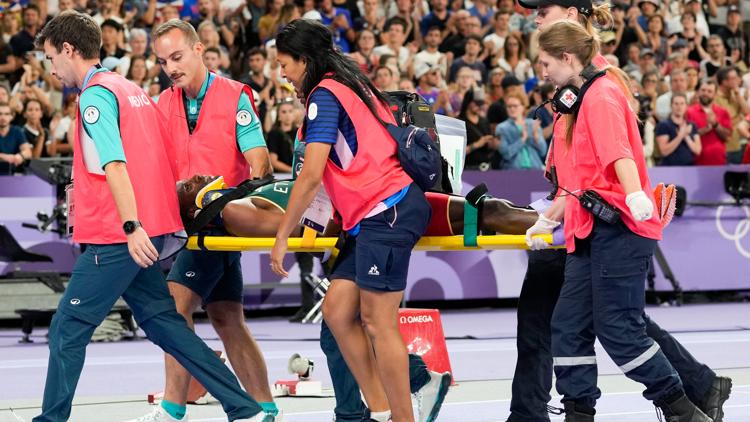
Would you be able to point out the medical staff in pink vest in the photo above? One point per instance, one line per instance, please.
(602, 297)
(351, 153)
(125, 212)
(214, 129)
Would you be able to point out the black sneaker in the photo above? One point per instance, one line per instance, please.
(714, 400)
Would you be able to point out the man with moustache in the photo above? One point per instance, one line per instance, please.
(213, 129)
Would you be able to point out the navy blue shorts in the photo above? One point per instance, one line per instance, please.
(214, 276)
(378, 257)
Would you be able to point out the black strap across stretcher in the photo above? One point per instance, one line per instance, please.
(210, 211)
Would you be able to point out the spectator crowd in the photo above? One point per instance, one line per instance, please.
(474, 60)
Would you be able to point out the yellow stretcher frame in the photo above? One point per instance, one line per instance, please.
(320, 244)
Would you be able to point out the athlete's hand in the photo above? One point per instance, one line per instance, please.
(543, 225)
(141, 249)
(640, 206)
(277, 256)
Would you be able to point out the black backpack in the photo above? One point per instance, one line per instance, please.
(421, 158)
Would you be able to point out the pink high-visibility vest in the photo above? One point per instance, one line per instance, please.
(96, 218)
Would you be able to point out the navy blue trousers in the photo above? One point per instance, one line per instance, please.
(532, 380)
(603, 297)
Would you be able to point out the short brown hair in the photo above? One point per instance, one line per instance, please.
(187, 30)
(77, 29)
(212, 50)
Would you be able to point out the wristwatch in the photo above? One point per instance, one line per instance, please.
(130, 226)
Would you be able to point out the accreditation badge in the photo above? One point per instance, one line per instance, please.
(319, 212)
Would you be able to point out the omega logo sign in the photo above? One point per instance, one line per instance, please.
(419, 319)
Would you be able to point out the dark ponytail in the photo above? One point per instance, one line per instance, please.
(312, 42)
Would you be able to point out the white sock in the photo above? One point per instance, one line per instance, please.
(383, 416)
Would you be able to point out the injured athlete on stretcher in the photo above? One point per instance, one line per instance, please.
(259, 213)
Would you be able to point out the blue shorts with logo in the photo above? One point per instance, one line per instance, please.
(214, 276)
(378, 257)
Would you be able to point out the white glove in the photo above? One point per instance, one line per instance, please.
(543, 225)
(640, 206)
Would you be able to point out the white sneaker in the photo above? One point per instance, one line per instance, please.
(159, 415)
(264, 417)
(430, 397)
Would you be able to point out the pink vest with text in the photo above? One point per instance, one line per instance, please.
(96, 218)
(212, 148)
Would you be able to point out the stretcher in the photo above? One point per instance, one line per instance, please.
(470, 240)
(309, 242)
(321, 244)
